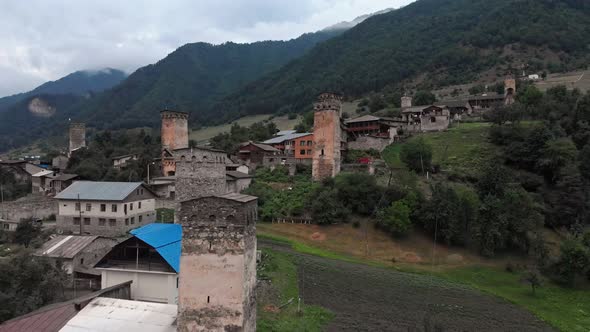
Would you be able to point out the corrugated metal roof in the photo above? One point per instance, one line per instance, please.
(285, 132)
(65, 177)
(99, 191)
(105, 314)
(365, 118)
(289, 137)
(65, 246)
(48, 319)
(238, 197)
(165, 238)
(42, 173)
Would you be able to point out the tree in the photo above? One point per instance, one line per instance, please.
(26, 231)
(359, 192)
(477, 89)
(493, 180)
(530, 97)
(533, 277)
(395, 218)
(573, 261)
(557, 154)
(326, 208)
(424, 98)
(417, 155)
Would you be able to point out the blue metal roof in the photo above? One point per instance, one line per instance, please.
(165, 238)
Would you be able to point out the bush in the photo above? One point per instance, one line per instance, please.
(358, 192)
(356, 224)
(396, 219)
(326, 208)
(417, 155)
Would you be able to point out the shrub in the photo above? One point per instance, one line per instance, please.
(417, 155)
(396, 219)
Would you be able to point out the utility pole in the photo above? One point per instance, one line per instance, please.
(80, 210)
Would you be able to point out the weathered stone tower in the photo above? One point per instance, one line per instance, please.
(218, 264)
(406, 102)
(199, 173)
(174, 130)
(327, 136)
(509, 90)
(77, 136)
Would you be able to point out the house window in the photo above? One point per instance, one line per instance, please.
(309, 143)
(322, 152)
(433, 119)
(76, 221)
(77, 206)
(114, 208)
(5, 226)
(87, 221)
(140, 219)
(102, 222)
(103, 208)
(132, 220)
(131, 207)
(302, 152)
(88, 207)
(302, 143)
(125, 208)
(81, 261)
(126, 221)
(112, 222)
(139, 205)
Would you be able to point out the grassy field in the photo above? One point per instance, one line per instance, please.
(565, 309)
(203, 134)
(462, 148)
(280, 286)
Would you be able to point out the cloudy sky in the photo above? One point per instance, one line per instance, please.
(44, 40)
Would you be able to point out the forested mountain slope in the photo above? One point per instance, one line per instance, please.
(440, 41)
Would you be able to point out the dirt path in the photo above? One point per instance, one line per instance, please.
(366, 298)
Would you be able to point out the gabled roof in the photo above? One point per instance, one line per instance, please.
(284, 138)
(65, 177)
(42, 174)
(418, 109)
(285, 132)
(263, 147)
(65, 246)
(365, 118)
(165, 238)
(100, 191)
(238, 197)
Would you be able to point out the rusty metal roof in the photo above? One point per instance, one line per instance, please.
(238, 197)
(65, 246)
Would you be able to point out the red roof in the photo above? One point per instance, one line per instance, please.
(48, 319)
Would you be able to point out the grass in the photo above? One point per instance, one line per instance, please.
(203, 134)
(282, 272)
(563, 308)
(462, 148)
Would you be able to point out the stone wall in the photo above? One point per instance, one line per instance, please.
(77, 136)
(327, 138)
(218, 265)
(366, 143)
(36, 207)
(198, 179)
(174, 130)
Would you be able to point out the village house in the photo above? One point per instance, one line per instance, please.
(105, 208)
(426, 118)
(150, 258)
(254, 153)
(77, 255)
(371, 133)
(121, 161)
(21, 170)
(59, 163)
(50, 182)
(295, 145)
(237, 181)
(8, 225)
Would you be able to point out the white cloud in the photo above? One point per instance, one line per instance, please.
(45, 40)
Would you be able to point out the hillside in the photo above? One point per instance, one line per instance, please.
(78, 83)
(193, 78)
(431, 43)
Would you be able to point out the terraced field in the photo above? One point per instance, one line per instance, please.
(366, 298)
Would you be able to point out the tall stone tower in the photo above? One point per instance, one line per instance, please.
(327, 136)
(174, 130)
(199, 173)
(406, 102)
(509, 90)
(77, 136)
(218, 264)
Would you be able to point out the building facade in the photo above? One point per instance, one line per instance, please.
(105, 208)
(77, 136)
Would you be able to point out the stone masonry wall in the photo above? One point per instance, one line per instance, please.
(219, 251)
(367, 143)
(327, 138)
(77, 136)
(36, 207)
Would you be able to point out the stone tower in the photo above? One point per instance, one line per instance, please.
(327, 136)
(509, 90)
(174, 130)
(406, 102)
(77, 136)
(218, 264)
(199, 172)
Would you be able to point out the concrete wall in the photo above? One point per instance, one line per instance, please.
(218, 265)
(36, 207)
(147, 285)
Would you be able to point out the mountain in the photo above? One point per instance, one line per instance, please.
(77, 83)
(429, 42)
(350, 24)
